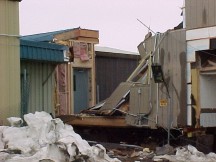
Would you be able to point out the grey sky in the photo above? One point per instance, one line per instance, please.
(116, 20)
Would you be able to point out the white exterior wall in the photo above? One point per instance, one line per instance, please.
(198, 39)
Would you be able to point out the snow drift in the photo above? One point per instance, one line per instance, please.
(46, 139)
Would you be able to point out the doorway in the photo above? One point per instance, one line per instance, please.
(81, 96)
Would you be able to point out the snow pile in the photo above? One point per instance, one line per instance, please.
(46, 139)
(188, 154)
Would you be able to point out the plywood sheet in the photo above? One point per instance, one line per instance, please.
(116, 97)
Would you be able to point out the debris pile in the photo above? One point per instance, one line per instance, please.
(46, 139)
(187, 154)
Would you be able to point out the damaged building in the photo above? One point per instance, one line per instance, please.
(200, 38)
(170, 85)
(75, 83)
(173, 85)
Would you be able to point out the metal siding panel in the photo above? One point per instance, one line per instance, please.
(211, 12)
(110, 72)
(162, 112)
(116, 96)
(44, 86)
(41, 52)
(208, 119)
(214, 12)
(194, 18)
(48, 88)
(188, 13)
(182, 118)
(200, 13)
(40, 98)
(173, 66)
(9, 16)
(173, 61)
(33, 88)
(198, 16)
(40, 103)
(14, 77)
(139, 99)
(9, 61)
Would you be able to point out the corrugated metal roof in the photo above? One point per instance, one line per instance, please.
(113, 50)
(44, 37)
(41, 51)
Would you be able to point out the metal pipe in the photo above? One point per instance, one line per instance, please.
(169, 121)
(157, 87)
(184, 15)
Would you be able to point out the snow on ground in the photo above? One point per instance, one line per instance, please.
(188, 154)
(48, 139)
(45, 138)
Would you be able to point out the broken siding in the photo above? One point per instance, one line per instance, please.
(40, 86)
(172, 57)
(200, 13)
(110, 72)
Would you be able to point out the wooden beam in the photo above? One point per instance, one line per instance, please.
(89, 40)
(208, 110)
(76, 33)
(213, 68)
(98, 121)
(82, 64)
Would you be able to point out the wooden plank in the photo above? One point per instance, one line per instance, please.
(89, 33)
(75, 33)
(115, 97)
(78, 63)
(205, 69)
(196, 94)
(95, 121)
(89, 40)
(208, 110)
(93, 75)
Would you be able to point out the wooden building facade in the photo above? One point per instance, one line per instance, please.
(38, 76)
(75, 80)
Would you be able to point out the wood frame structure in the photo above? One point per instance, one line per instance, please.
(90, 38)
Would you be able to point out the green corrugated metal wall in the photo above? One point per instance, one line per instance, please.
(9, 60)
(40, 86)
